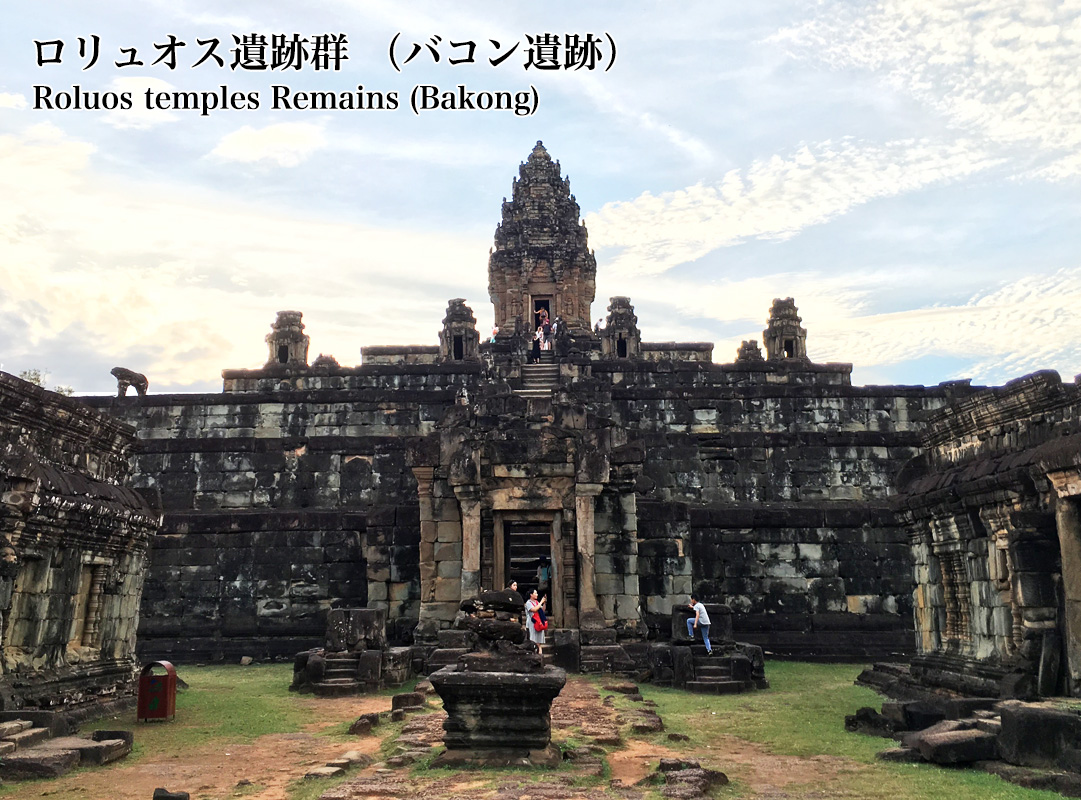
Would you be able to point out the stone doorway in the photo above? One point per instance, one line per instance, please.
(520, 542)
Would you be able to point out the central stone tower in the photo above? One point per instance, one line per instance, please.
(541, 258)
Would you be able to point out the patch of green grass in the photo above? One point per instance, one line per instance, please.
(224, 705)
(802, 714)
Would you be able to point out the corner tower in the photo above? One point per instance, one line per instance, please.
(541, 258)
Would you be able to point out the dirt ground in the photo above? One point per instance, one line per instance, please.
(580, 715)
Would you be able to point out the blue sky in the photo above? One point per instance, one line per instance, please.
(909, 171)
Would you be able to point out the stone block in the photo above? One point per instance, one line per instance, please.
(38, 763)
(958, 747)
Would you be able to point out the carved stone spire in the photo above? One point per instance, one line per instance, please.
(541, 257)
(784, 337)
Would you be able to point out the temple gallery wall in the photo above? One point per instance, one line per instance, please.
(641, 471)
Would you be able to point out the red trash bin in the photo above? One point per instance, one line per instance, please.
(157, 693)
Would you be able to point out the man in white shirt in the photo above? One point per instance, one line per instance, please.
(701, 620)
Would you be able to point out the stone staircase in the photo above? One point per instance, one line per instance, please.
(714, 674)
(31, 751)
(340, 678)
(538, 380)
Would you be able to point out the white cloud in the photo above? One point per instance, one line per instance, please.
(287, 143)
(1009, 72)
(772, 199)
(190, 280)
(12, 100)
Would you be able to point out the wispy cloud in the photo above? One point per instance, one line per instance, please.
(1008, 72)
(773, 199)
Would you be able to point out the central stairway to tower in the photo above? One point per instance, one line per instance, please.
(538, 380)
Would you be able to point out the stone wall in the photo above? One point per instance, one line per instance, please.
(764, 486)
(72, 553)
(283, 503)
(991, 510)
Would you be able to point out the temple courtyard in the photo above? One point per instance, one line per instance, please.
(239, 733)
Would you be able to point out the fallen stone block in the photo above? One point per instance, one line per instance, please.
(407, 700)
(900, 755)
(362, 727)
(913, 739)
(38, 763)
(1035, 736)
(870, 723)
(356, 758)
(958, 747)
(165, 794)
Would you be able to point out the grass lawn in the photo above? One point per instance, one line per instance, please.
(797, 721)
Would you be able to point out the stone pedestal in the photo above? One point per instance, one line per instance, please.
(498, 697)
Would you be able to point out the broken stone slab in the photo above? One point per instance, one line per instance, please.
(958, 747)
(38, 763)
(678, 737)
(92, 753)
(623, 687)
(397, 715)
(324, 772)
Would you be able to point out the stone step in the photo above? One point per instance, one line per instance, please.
(341, 656)
(13, 726)
(713, 661)
(28, 737)
(715, 687)
(337, 688)
(534, 394)
(710, 671)
(340, 672)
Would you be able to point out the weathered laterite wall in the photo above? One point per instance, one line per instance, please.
(73, 545)
(764, 487)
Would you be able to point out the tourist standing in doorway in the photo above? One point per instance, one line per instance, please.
(700, 620)
(532, 617)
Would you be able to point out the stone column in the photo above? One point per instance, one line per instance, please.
(589, 615)
(426, 625)
(470, 506)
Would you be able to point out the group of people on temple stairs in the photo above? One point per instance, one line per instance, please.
(545, 333)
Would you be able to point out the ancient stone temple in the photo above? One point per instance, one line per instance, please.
(72, 553)
(617, 474)
(991, 508)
